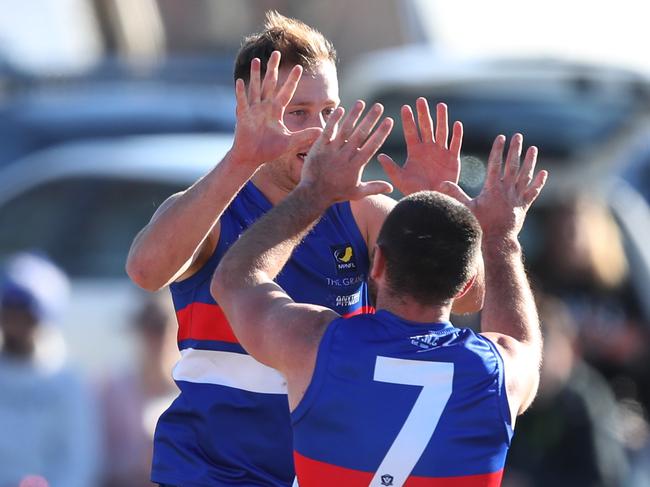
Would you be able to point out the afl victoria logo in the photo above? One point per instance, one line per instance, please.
(386, 480)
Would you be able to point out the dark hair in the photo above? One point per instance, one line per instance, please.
(297, 42)
(430, 242)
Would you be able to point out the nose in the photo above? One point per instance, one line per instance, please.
(322, 121)
(316, 120)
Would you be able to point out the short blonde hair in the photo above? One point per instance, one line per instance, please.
(297, 42)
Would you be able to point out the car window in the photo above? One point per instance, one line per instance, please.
(85, 224)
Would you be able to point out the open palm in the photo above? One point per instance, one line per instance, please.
(508, 192)
(430, 160)
(260, 134)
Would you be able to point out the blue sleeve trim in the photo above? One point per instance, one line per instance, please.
(504, 405)
(205, 273)
(319, 375)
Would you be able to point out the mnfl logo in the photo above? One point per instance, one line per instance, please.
(344, 258)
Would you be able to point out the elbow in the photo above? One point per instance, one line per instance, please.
(226, 281)
(140, 273)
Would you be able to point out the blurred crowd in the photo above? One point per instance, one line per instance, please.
(60, 427)
(587, 427)
(589, 423)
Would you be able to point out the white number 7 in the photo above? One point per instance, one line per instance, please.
(436, 380)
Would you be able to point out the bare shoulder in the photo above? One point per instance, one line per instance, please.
(369, 214)
(374, 204)
(505, 343)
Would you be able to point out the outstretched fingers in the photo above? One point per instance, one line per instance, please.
(390, 167)
(254, 92)
(452, 189)
(527, 170)
(364, 155)
(495, 161)
(375, 141)
(364, 128)
(271, 76)
(240, 96)
(347, 127)
(456, 139)
(332, 122)
(535, 187)
(511, 169)
(424, 120)
(442, 125)
(288, 88)
(411, 135)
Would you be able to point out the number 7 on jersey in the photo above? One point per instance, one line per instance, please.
(436, 380)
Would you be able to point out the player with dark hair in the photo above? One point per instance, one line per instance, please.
(230, 424)
(401, 395)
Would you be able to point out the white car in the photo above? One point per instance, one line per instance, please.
(82, 203)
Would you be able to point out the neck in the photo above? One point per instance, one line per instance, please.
(409, 309)
(271, 187)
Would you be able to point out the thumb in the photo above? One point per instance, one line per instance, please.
(305, 138)
(391, 168)
(455, 191)
(374, 187)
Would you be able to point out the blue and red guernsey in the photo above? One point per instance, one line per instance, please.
(230, 425)
(395, 403)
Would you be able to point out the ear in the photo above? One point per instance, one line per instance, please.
(378, 266)
(468, 285)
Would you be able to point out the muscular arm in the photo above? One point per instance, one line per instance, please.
(185, 230)
(268, 323)
(509, 316)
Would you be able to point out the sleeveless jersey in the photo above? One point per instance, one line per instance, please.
(230, 425)
(395, 403)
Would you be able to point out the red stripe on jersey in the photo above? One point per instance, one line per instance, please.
(362, 310)
(200, 321)
(320, 474)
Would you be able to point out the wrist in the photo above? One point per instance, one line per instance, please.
(312, 196)
(237, 162)
(500, 244)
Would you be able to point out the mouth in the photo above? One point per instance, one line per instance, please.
(302, 155)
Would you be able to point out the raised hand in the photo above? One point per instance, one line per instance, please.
(429, 160)
(260, 134)
(335, 163)
(508, 191)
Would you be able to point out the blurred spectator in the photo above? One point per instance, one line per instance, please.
(571, 435)
(585, 266)
(132, 401)
(45, 413)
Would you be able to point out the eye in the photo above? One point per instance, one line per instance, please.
(298, 113)
(328, 111)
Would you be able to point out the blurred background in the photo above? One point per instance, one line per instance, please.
(109, 106)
